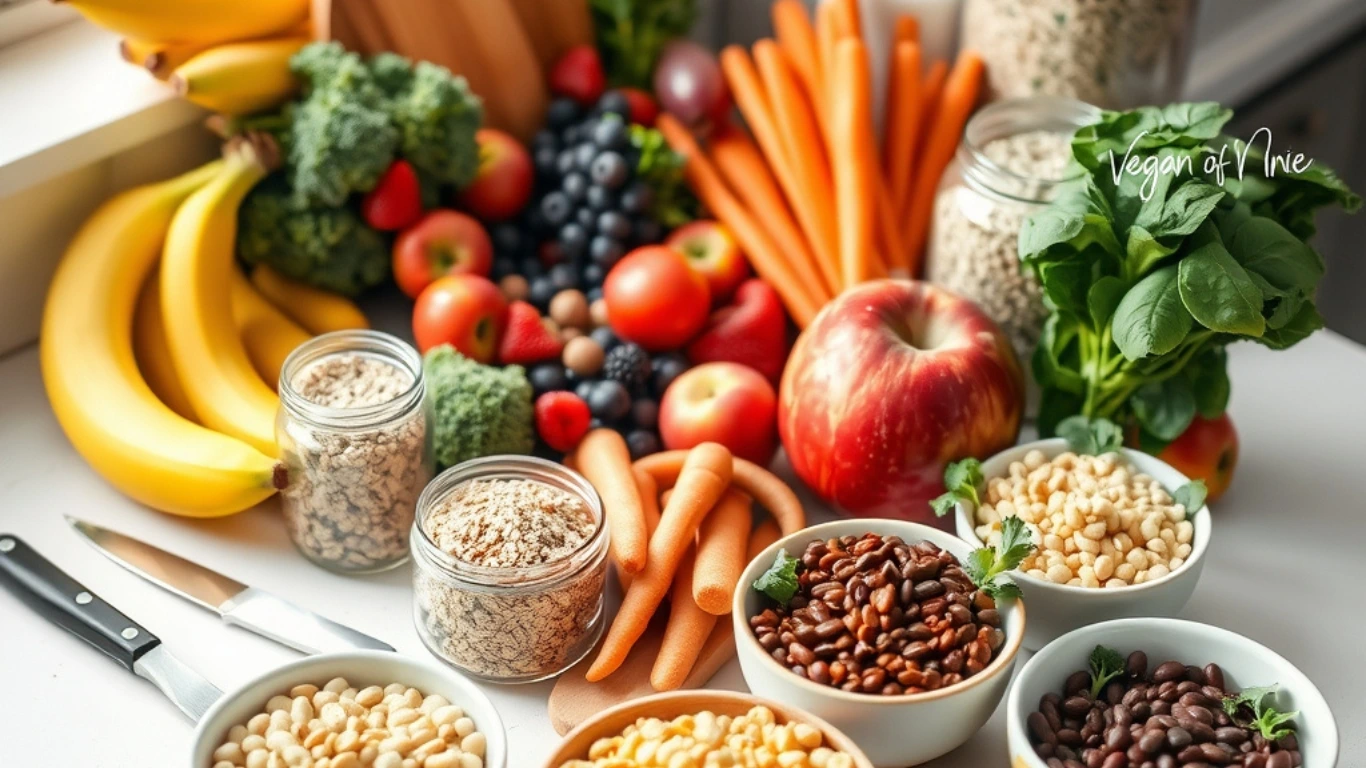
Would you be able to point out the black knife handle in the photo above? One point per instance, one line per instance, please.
(62, 600)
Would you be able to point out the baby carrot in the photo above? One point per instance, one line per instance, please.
(851, 130)
(797, 38)
(605, 460)
(767, 489)
(721, 552)
(703, 478)
(685, 632)
(649, 504)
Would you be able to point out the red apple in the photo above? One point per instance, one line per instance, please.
(503, 184)
(724, 403)
(466, 311)
(892, 380)
(713, 251)
(1207, 450)
(443, 242)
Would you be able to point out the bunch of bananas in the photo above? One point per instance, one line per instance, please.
(160, 357)
(231, 56)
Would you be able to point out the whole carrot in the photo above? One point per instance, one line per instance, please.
(685, 632)
(899, 137)
(603, 458)
(704, 477)
(649, 504)
(766, 488)
(851, 128)
(960, 96)
(721, 552)
(906, 29)
(797, 38)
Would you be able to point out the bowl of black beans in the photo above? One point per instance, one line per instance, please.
(1165, 693)
(890, 630)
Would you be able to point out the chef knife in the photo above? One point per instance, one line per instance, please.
(238, 604)
(62, 600)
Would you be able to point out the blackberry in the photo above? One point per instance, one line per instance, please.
(628, 364)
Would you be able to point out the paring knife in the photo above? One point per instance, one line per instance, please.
(238, 604)
(62, 600)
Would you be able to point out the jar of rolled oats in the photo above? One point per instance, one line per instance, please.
(353, 429)
(509, 568)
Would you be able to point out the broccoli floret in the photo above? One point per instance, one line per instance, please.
(436, 117)
(331, 248)
(480, 410)
(392, 72)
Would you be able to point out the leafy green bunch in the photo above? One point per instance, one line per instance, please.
(632, 33)
(1156, 260)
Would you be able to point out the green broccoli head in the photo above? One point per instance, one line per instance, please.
(480, 410)
(331, 248)
(392, 73)
(436, 117)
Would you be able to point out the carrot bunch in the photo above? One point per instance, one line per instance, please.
(691, 553)
(817, 204)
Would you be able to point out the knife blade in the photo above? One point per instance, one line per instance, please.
(236, 603)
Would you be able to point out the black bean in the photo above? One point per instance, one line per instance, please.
(1136, 666)
(1076, 683)
(1214, 675)
(1070, 736)
(1151, 741)
(1178, 738)
(1255, 760)
(1077, 706)
(1215, 754)
(1195, 674)
(1168, 671)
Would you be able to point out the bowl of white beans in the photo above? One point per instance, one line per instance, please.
(353, 709)
(1112, 543)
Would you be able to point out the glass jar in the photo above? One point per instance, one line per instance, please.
(1014, 158)
(1116, 54)
(515, 624)
(353, 429)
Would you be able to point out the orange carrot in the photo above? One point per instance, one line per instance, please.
(605, 460)
(931, 90)
(745, 170)
(797, 38)
(685, 632)
(906, 30)
(766, 488)
(827, 34)
(721, 552)
(847, 18)
(704, 477)
(765, 533)
(649, 504)
(960, 96)
(763, 255)
(816, 221)
(899, 133)
(852, 153)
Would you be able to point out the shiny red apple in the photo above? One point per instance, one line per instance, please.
(891, 381)
(444, 242)
(725, 403)
(466, 311)
(712, 250)
(503, 183)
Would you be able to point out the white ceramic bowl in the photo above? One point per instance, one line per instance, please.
(361, 669)
(894, 731)
(1244, 662)
(1056, 609)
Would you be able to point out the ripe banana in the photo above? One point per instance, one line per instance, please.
(101, 401)
(240, 78)
(152, 353)
(203, 21)
(266, 332)
(196, 275)
(158, 58)
(316, 310)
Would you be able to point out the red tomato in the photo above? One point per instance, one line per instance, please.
(1207, 450)
(466, 311)
(443, 242)
(656, 299)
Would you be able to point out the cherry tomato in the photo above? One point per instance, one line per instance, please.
(656, 299)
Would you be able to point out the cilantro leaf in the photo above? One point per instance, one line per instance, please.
(1090, 437)
(962, 479)
(779, 582)
(1106, 664)
(1272, 724)
(1191, 495)
(986, 566)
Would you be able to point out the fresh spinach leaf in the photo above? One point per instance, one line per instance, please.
(1165, 408)
(1263, 246)
(1191, 496)
(1150, 319)
(1297, 329)
(1208, 375)
(1218, 293)
(1091, 437)
(1102, 298)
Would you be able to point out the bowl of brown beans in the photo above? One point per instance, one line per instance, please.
(1114, 541)
(1165, 693)
(883, 635)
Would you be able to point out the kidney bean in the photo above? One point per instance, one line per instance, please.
(1151, 741)
(1214, 675)
(1178, 738)
(1255, 760)
(1114, 760)
(1168, 671)
(1054, 762)
(1136, 666)
(1076, 706)
(1076, 683)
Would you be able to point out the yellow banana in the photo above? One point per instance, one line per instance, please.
(240, 78)
(158, 58)
(196, 275)
(152, 353)
(268, 335)
(205, 21)
(316, 310)
(101, 400)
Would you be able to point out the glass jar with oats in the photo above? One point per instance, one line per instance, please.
(510, 568)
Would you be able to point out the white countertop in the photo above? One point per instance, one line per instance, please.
(1296, 509)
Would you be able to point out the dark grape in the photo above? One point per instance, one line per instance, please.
(584, 388)
(575, 186)
(542, 291)
(531, 268)
(544, 159)
(609, 400)
(544, 139)
(574, 240)
(548, 377)
(562, 113)
(584, 155)
(665, 368)
(610, 134)
(609, 169)
(637, 198)
(563, 277)
(605, 251)
(600, 198)
(642, 443)
(555, 208)
(507, 238)
(614, 225)
(564, 161)
(615, 102)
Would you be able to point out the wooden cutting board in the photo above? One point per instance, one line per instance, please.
(574, 699)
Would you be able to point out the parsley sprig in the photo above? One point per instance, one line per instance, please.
(1105, 665)
(962, 481)
(987, 566)
(1272, 724)
(779, 582)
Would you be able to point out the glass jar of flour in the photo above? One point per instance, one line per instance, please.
(354, 429)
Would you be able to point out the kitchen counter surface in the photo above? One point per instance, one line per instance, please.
(1285, 569)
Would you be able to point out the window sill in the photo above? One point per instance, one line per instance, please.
(70, 101)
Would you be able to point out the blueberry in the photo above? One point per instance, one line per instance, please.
(584, 388)
(544, 159)
(648, 230)
(615, 102)
(594, 275)
(563, 277)
(600, 198)
(504, 266)
(541, 292)
(564, 161)
(584, 155)
(609, 400)
(547, 377)
(609, 169)
(642, 443)
(665, 369)
(545, 138)
(637, 198)
(575, 186)
(610, 134)
(605, 251)
(530, 268)
(596, 423)
(506, 238)
(555, 208)
(594, 293)
(605, 338)
(562, 113)
(573, 241)
(644, 413)
(614, 225)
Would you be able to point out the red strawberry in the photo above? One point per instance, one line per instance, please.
(751, 330)
(644, 108)
(526, 339)
(396, 201)
(578, 74)
(562, 419)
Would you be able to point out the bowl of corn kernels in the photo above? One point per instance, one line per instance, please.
(712, 728)
(1113, 539)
